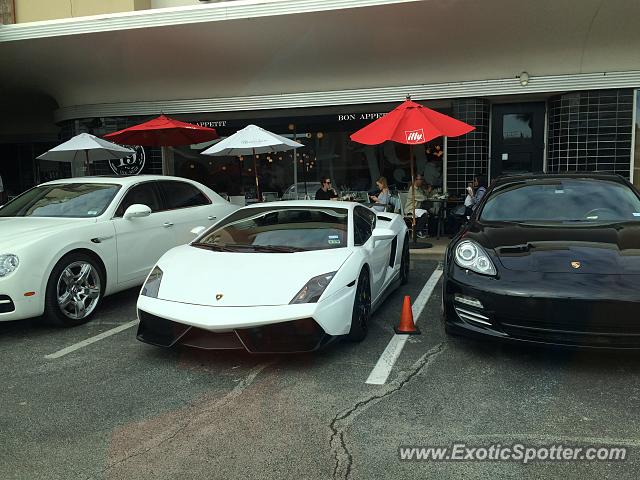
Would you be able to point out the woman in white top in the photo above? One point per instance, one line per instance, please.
(475, 196)
(382, 199)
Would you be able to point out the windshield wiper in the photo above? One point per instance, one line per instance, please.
(268, 248)
(278, 248)
(213, 246)
(234, 247)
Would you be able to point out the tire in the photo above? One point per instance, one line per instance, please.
(74, 290)
(405, 263)
(361, 309)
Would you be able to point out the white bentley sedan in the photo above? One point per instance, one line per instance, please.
(65, 244)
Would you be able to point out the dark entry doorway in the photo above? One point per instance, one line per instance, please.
(517, 138)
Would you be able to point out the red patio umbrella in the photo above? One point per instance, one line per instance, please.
(412, 124)
(163, 132)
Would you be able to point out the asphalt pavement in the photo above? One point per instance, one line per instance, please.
(120, 409)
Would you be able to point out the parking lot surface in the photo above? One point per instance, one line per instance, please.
(120, 409)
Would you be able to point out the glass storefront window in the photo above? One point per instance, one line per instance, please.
(636, 148)
(516, 128)
(351, 166)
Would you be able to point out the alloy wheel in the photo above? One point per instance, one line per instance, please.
(78, 290)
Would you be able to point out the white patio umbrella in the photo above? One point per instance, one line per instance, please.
(86, 147)
(252, 140)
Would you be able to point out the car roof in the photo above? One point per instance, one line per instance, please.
(558, 176)
(114, 179)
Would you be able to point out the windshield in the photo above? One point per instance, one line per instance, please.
(562, 201)
(293, 228)
(72, 200)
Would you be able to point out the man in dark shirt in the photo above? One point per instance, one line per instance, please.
(325, 192)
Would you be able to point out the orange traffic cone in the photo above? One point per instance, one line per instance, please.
(407, 327)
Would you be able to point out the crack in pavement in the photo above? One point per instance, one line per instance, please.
(224, 401)
(342, 421)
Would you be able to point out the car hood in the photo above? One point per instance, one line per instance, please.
(197, 276)
(600, 249)
(24, 230)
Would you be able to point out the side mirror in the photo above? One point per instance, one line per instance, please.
(136, 210)
(198, 230)
(382, 234)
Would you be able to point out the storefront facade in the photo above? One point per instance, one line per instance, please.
(327, 151)
(556, 103)
(577, 131)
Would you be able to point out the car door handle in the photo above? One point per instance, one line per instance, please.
(99, 240)
(167, 224)
(211, 217)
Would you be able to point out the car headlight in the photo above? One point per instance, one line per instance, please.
(8, 263)
(472, 256)
(152, 285)
(312, 291)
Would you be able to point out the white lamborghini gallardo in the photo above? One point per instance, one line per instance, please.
(276, 277)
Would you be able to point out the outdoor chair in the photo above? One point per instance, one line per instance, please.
(270, 196)
(394, 204)
(361, 196)
(239, 200)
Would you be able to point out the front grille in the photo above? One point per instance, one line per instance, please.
(159, 331)
(206, 340)
(567, 337)
(472, 317)
(295, 336)
(577, 316)
(6, 304)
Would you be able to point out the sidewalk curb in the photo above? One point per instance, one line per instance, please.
(427, 255)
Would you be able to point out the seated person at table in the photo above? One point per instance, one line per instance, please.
(418, 194)
(381, 200)
(325, 192)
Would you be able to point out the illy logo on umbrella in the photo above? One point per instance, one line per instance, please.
(414, 136)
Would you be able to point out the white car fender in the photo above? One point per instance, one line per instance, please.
(103, 246)
(347, 274)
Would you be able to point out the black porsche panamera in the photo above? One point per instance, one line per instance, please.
(550, 258)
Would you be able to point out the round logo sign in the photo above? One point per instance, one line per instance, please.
(131, 165)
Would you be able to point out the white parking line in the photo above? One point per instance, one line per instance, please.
(381, 371)
(89, 341)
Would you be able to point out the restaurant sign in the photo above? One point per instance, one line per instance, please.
(300, 122)
(131, 165)
(359, 116)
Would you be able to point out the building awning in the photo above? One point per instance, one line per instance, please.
(253, 54)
